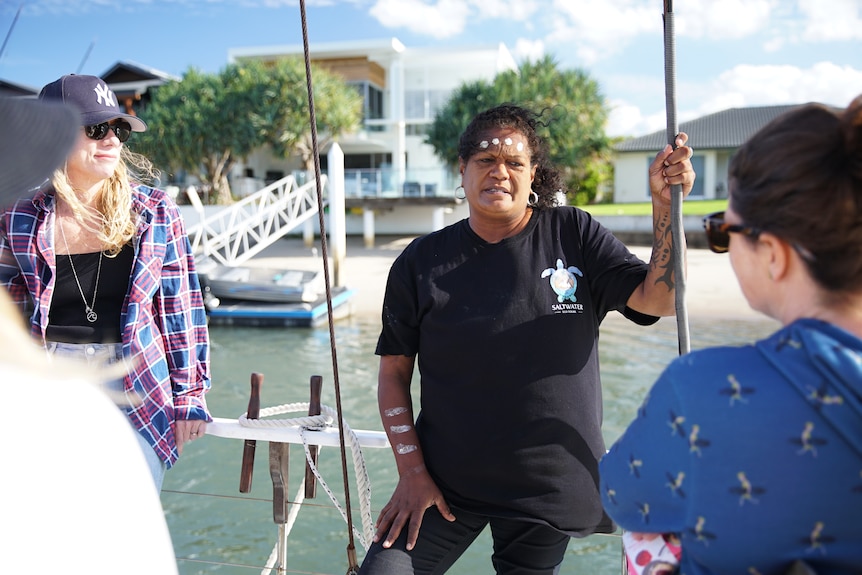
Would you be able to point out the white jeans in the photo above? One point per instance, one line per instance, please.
(104, 354)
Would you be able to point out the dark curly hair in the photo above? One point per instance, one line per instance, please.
(800, 178)
(548, 183)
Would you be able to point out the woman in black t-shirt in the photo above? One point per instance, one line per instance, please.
(502, 311)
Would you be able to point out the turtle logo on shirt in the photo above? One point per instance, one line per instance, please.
(563, 281)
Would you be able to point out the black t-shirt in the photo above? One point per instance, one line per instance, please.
(67, 318)
(506, 336)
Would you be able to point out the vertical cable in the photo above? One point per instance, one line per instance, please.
(676, 225)
(351, 548)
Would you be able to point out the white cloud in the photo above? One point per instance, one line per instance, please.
(628, 120)
(773, 45)
(832, 20)
(444, 19)
(746, 85)
(624, 119)
(599, 29)
(447, 18)
(594, 30)
(726, 19)
(528, 50)
(516, 10)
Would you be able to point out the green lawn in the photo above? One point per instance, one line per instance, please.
(689, 208)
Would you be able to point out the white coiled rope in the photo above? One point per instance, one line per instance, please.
(317, 422)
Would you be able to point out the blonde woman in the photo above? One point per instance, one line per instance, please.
(35, 139)
(103, 270)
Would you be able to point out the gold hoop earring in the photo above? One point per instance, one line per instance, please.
(463, 192)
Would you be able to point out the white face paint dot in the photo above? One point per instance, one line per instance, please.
(520, 146)
(508, 141)
(483, 144)
(496, 141)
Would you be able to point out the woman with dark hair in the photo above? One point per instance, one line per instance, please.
(752, 455)
(502, 310)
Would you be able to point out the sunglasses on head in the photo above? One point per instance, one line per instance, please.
(99, 131)
(718, 232)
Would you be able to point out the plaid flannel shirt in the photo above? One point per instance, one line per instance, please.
(164, 326)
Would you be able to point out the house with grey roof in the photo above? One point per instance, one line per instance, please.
(714, 139)
(131, 82)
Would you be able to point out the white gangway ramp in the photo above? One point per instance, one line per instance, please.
(236, 233)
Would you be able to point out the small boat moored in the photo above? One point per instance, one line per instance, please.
(268, 314)
(261, 284)
(269, 297)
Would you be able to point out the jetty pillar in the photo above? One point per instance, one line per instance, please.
(337, 216)
(308, 233)
(438, 221)
(368, 226)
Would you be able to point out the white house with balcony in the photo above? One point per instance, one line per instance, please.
(388, 166)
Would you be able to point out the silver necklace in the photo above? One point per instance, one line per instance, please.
(91, 313)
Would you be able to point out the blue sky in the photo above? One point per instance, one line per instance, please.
(729, 53)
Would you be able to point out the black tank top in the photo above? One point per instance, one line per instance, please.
(67, 318)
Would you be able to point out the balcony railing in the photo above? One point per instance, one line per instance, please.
(383, 183)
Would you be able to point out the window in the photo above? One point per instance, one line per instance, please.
(424, 104)
(374, 103)
(699, 165)
(414, 104)
(416, 129)
(354, 161)
(372, 100)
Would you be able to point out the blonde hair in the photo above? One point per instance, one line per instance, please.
(111, 218)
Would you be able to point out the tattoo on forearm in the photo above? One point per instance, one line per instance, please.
(661, 251)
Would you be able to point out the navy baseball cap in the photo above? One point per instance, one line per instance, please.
(92, 97)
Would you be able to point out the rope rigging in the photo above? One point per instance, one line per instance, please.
(317, 422)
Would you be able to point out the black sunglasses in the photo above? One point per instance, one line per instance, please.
(718, 232)
(98, 131)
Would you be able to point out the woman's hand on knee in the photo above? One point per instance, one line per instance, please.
(414, 494)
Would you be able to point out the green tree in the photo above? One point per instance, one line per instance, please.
(450, 121)
(283, 118)
(205, 123)
(199, 125)
(574, 109)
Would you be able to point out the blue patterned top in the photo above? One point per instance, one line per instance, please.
(752, 455)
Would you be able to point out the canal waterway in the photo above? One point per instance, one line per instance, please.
(216, 529)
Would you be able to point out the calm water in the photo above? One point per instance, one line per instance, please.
(233, 533)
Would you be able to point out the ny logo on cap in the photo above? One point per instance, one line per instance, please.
(103, 91)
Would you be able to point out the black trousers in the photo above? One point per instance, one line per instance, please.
(520, 547)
